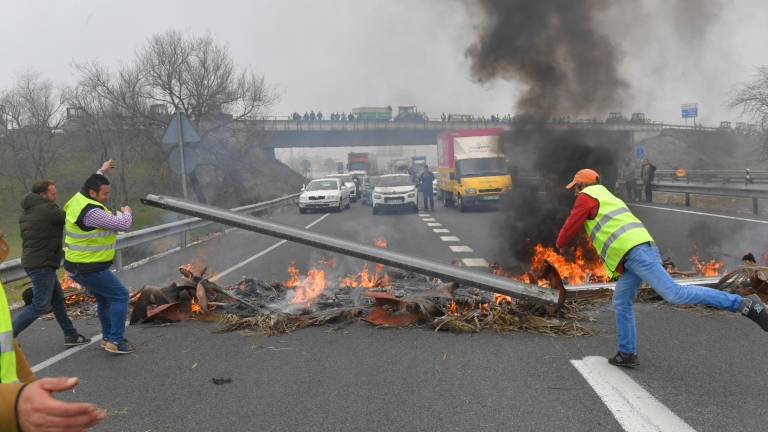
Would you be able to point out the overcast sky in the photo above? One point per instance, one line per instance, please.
(335, 55)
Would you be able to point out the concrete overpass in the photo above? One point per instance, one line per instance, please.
(286, 133)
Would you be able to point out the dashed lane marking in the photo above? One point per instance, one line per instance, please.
(434, 224)
(429, 220)
(634, 408)
(701, 214)
(423, 215)
(449, 238)
(475, 262)
(461, 249)
(66, 353)
(441, 230)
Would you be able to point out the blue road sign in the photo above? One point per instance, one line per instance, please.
(640, 152)
(690, 110)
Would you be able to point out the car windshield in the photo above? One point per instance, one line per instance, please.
(323, 185)
(344, 178)
(393, 181)
(481, 167)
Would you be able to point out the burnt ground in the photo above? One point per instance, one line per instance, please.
(351, 377)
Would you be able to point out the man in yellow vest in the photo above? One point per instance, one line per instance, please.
(90, 236)
(629, 253)
(26, 403)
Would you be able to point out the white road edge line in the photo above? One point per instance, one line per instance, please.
(68, 352)
(461, 248)
(701, 214)
(634, 408)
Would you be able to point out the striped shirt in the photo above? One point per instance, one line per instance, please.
(98, 218)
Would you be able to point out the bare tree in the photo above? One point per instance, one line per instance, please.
(32, 117)
(197, 75)
(752, 98)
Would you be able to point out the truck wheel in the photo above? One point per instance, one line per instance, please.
(375, 210)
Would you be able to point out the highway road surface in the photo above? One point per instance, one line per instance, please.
(702, 372)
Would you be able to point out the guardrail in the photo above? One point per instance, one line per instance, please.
(11, 271)
(688, 189)
(714, 176)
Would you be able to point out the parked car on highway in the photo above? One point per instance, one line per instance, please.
(366, 190)
(394, 191)
(324, 194)
(353, 193)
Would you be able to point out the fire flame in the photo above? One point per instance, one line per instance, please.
(708, 267)
(67, 283)
(195, 306)
(680, 172)
(310, 288)
(380, 242)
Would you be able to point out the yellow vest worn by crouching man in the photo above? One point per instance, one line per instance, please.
(615, 230)
(80, 246)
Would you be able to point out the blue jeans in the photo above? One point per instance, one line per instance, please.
(112, 301)
(47, 293)
(643, 263)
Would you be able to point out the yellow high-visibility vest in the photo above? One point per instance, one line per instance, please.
(95, 246)
(7, 350)
(615, 230)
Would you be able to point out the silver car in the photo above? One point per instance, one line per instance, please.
(324, 194)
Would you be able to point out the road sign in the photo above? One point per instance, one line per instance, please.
(188, 133)
(191, 160)
(690, 110)
(640, 152)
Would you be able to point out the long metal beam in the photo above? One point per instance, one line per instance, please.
(484, 281)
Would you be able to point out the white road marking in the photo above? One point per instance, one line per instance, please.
(429, 219)
(634, 408)
(449, 238)
(701, 214)
(441, 230)
(475, 262)
(64, 354)
(264, 252)
(461, 248)
(423, 215)
(434, 224)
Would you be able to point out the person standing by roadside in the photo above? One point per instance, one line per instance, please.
(425, 181)
(41, 224)
(648, 173)
(90, 235)
(630, 180)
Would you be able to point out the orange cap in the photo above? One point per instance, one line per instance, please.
(584, 176)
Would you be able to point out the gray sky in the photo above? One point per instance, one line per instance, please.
(335, 55)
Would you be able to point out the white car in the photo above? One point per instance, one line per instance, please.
(394, 191)
(324, 194)
(348, 182)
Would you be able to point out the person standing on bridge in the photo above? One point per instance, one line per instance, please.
(90, 236)
(629, 253)
(41, 224)
(425, 184)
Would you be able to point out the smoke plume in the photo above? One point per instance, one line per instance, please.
(554, 48)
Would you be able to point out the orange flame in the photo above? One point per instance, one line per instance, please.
(680, 172)
(310, 288)
(708, 268)
(294, 273)
(579, 270)
(195, 306)
(67, 283)
(380, 242)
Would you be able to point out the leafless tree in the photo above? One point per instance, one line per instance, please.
(32, 113)
(199, 76)
(752, 98)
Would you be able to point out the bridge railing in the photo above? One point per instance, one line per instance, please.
(285, 123)
(11, 271)
(724, 177)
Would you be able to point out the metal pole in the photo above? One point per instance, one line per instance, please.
(180, 136)
(483, 281)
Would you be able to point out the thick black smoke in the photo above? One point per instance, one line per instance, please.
(554, 48)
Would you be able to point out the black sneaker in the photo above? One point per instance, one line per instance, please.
(76, 340)
(753, 308)
(624, 360)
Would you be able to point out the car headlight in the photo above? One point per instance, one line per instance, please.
(376, 196)
(411, 195)
(470, 191)
(302, 198)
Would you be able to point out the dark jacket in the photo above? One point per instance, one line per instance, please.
(41, 224)
(425, 182)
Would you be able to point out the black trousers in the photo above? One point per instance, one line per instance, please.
(429, 197)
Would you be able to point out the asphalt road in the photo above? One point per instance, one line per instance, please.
(703, 369)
